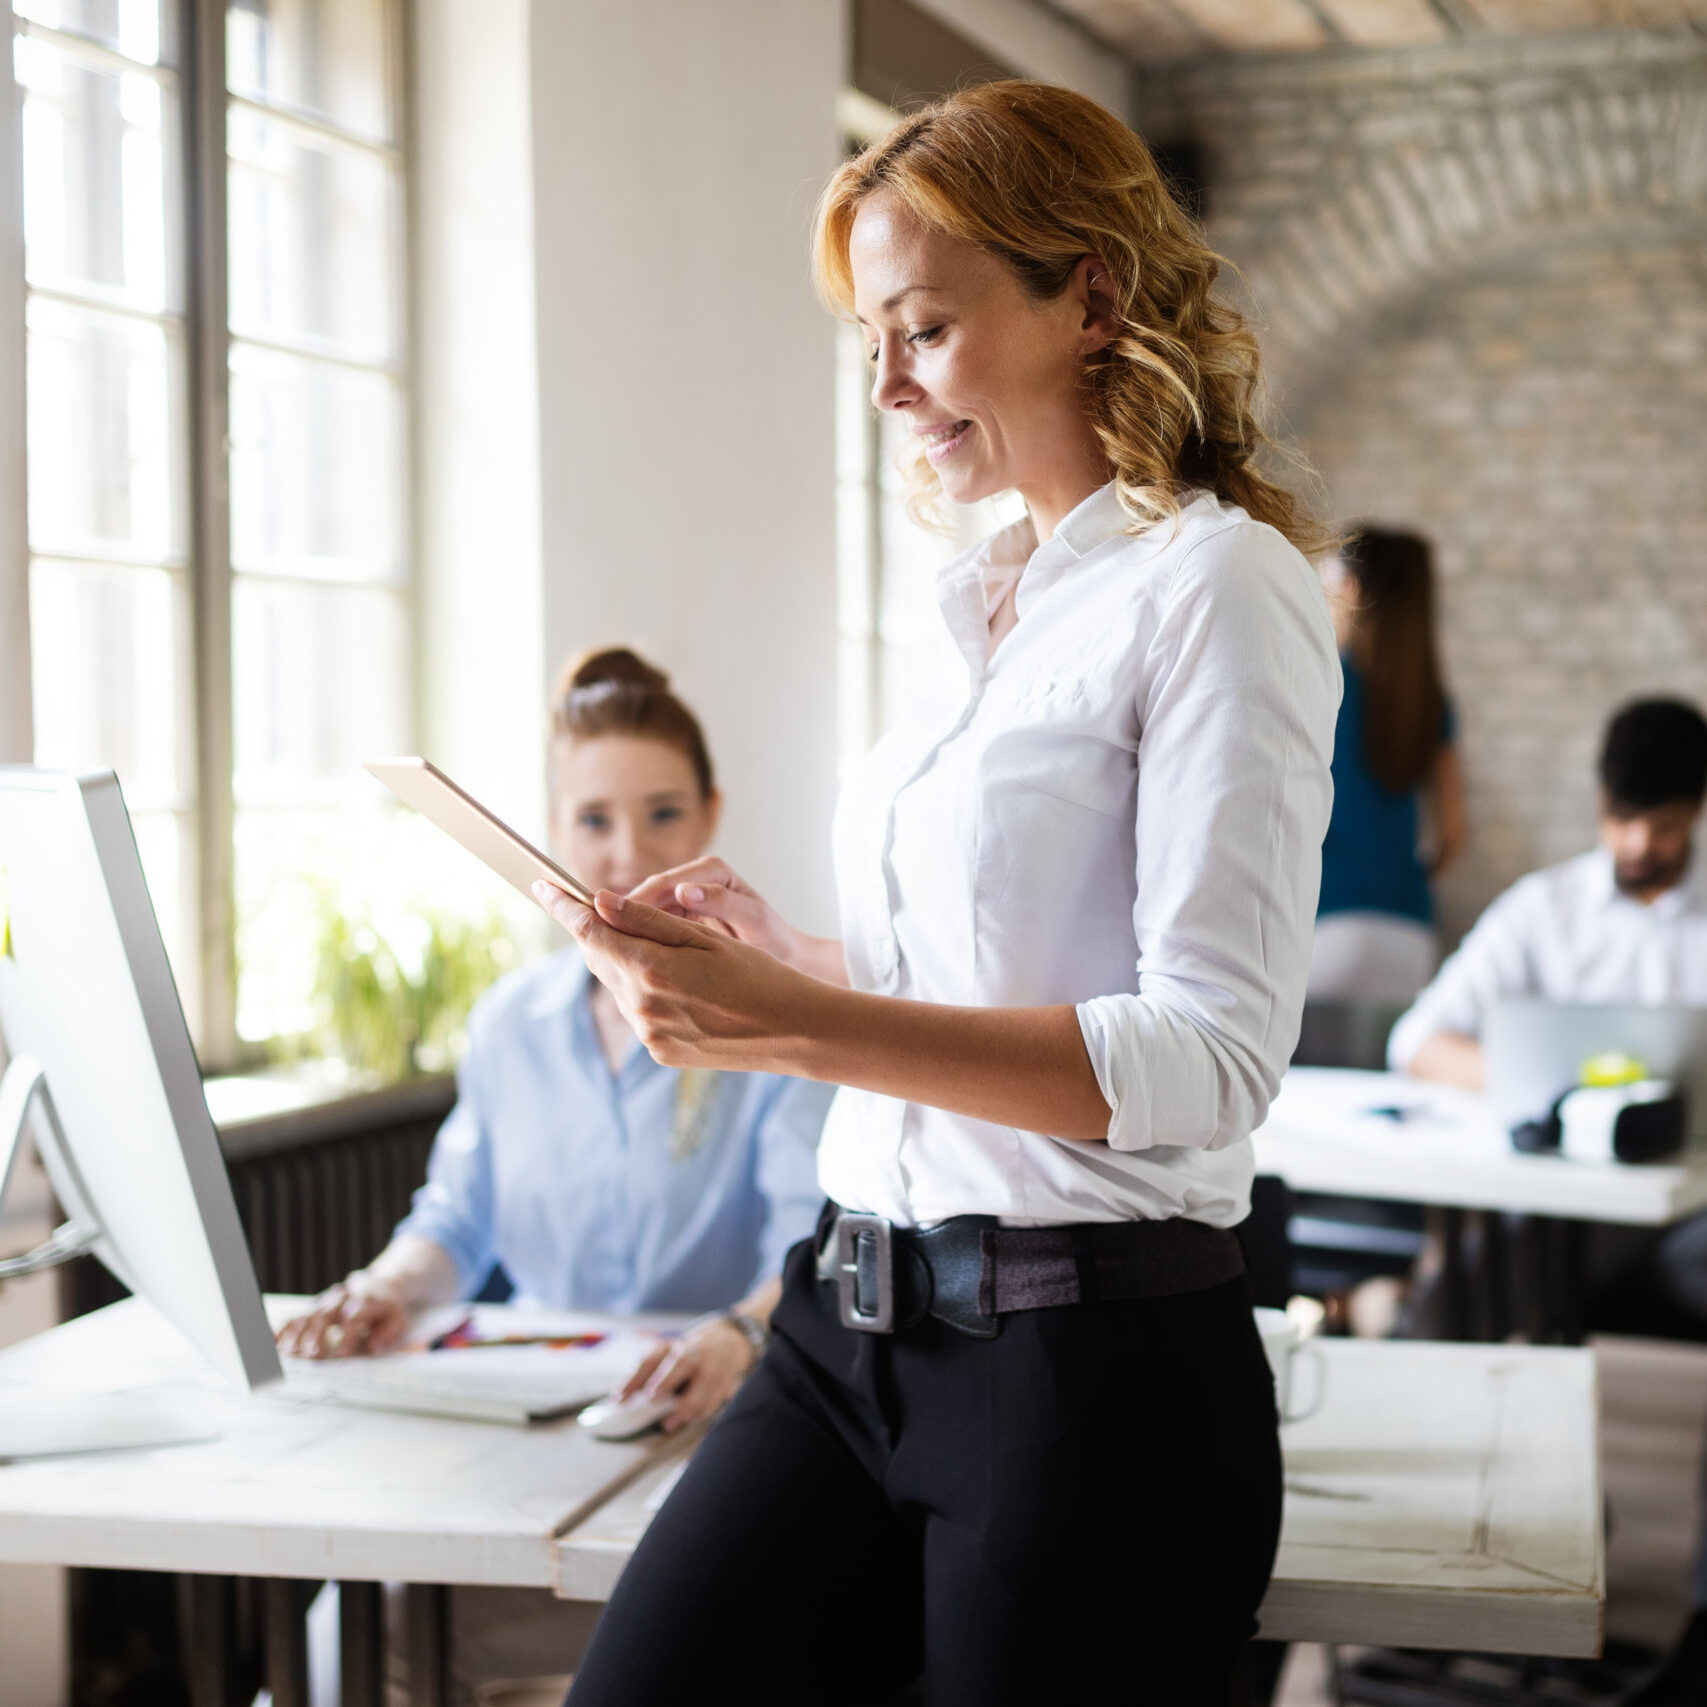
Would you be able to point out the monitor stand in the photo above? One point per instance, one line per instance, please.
(43, 1422)
(38, 1421)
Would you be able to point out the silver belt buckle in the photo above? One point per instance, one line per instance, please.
(871, 1315)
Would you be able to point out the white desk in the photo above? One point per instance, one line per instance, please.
(294, 1487)
(1321, 1136)
(1444, 1496)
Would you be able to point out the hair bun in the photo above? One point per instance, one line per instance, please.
(615, 666)
(614, 691)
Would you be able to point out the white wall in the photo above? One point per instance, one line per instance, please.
(686, 384)
(482, 652)
(627, 386)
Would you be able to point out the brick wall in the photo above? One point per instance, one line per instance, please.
(1483, 276)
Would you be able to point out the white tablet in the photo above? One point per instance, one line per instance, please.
(424, 786)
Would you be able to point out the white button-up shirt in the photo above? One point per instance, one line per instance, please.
(1122, 809)
(1568, 934)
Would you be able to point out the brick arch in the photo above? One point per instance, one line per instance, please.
(1497, 173)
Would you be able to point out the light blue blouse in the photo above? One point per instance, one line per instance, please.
(648, 1189)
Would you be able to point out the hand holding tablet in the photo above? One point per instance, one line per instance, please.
(421, 784)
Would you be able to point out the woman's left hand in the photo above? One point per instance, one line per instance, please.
(694, 996)
(701, 1371)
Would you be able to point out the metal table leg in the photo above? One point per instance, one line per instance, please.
(284, 1611)
(361, 1644)
(1463, 1292)
(1440, 1304)
(1568, 1280)
(426, 1622)
(208, 1613)
(1489, 1275)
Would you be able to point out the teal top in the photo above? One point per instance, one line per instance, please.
(1369, 859)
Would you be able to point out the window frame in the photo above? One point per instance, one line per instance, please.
(17, 722)
(198, 29)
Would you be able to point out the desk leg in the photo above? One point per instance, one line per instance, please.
(1440, 1303)
(208, 1610)
(1463, 1288)
(1488, 1273)
(284, 1612)
(1568, 1273)
(1555, 1280)
(361, 1644)
(426, 1626)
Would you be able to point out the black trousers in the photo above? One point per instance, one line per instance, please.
(1083, 1509)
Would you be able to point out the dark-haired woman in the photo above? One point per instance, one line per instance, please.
(597, 1178)
(1015, 1431)
(1398, 815)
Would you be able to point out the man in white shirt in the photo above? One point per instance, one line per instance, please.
(1626, 922)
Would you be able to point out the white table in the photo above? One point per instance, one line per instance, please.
(1446, 1150)
(295, 1486)
(1443, 1496)
(1321, 1135)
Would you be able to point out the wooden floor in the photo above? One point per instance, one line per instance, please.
(1653, 1424)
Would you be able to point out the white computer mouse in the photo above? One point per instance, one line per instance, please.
(623, 1419)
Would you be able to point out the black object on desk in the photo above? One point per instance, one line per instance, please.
(1645, 1129)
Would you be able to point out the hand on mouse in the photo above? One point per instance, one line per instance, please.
(701, 1371)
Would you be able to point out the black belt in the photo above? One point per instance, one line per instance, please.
(971, 1271)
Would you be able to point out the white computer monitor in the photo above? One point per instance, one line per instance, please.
(89, 1015)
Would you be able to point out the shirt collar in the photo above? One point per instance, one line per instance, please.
(1687, 895)
(961, 587)
(966, 585)
(1091, 523)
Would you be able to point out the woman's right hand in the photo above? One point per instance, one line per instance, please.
(359, 1316)
(709, 892)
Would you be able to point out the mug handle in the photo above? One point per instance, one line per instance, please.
(1306, 1349)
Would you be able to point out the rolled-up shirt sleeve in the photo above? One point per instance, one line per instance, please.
(786, 1168)
(455, 1207)
(1239, 688)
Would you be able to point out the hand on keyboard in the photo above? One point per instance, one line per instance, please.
(358, 1316)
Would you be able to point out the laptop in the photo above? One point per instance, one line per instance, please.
(1535, 1050)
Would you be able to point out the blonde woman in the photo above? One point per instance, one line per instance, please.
(1015, 1434)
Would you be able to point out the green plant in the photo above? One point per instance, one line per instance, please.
(394, 1002)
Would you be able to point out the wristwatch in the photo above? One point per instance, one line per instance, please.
(751, 1329)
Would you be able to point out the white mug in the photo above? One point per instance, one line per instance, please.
(1286, 1351)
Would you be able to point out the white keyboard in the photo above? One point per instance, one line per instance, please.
(440, 1387)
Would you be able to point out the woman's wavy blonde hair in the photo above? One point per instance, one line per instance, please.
(1041, 177)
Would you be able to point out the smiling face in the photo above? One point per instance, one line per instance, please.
(624, 807)
(984, 374)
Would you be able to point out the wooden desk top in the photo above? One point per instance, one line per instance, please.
(1321, 1136)
(1443, 1496)
(296, 1486)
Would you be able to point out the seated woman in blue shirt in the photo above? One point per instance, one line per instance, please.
(1396, 775)
(597, 1178)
